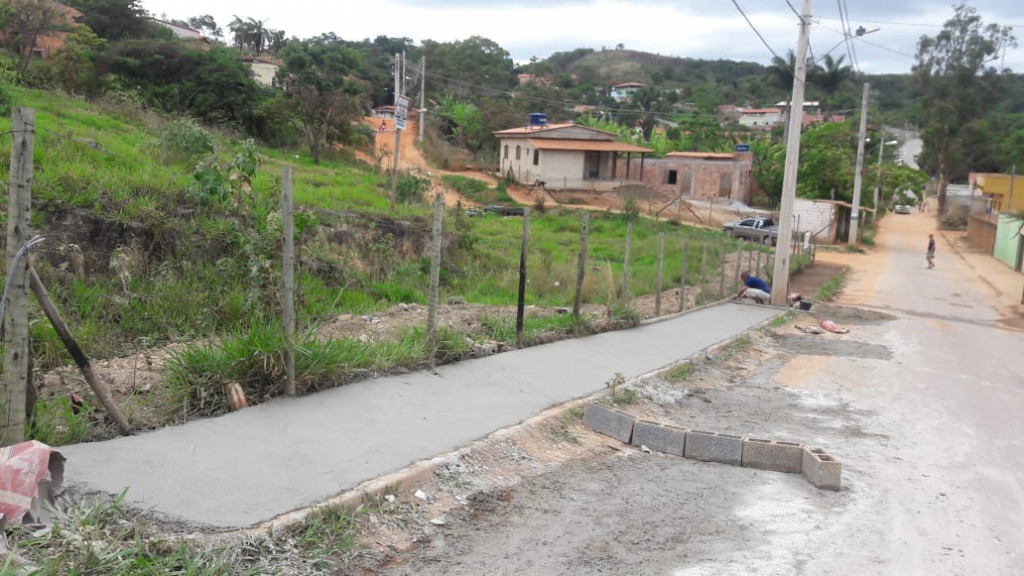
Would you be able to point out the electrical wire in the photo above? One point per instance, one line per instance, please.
(754, 28)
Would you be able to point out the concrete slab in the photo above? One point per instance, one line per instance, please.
(714, 447)
(249, 466)
(609, 421)
(821, 469)
(660, 437)
(773, 455)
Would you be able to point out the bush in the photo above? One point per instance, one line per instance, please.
(410, 188)
(184, 141)
(955, 219)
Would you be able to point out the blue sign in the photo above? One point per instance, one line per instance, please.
(743, 147)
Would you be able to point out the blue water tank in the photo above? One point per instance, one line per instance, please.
(538, 119)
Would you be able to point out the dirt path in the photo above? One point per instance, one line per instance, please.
(410, 157)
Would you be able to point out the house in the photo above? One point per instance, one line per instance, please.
(53, 40)
(179, 30)
(760, 118)
(825, 220)
(623, 92)
(566, 156)
(700, 175)
(817, 118)
(1005, 191)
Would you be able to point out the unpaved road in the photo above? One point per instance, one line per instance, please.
(921, 401)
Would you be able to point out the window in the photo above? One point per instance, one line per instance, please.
(506, 151)
(519, 151)
(536, 157)
(673, 177)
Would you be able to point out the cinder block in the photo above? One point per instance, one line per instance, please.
(660, 437)
(821, 469)
(714, 447)
(608, 421)
(774, 455)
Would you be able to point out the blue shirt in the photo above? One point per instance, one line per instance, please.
(755, 282)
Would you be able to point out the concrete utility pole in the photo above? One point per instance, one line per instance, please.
(780, 273)
(399, 67)
(858, 175)
(423, 94)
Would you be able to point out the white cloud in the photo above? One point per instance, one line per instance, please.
(680, 28)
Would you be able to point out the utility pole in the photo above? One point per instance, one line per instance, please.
(1013, 176)
(780, 273)
(398, 95)
(858, 176)
(423, 93)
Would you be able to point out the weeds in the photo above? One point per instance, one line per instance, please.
(679, 372)
(829, 289)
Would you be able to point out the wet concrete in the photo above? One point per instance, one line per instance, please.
(250, 466)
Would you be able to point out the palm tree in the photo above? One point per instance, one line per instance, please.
(781, 72)
(831, 78)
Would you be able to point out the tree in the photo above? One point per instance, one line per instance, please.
(27, 20)
(115, 19)
(324, 101)
(781, 72)
(207, 25)
(956, 84)
(831, 78)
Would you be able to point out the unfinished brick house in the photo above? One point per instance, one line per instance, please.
(697, 174)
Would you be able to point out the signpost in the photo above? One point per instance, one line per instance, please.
(401, 112)
(743, 147)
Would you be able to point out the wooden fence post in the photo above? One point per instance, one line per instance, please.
(435, 269)
(682, 278)
(288, 279)
(581, 264)
(625, 264)
(721, 271)
(15, 317)
(661, 257)
(521, 305)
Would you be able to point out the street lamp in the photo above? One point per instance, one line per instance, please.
(878, 183)
(860, 32)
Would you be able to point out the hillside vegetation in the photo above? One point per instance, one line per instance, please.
(158, 232)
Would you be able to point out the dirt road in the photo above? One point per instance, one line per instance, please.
(920, 401)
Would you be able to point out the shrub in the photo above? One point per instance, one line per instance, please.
(184, 141)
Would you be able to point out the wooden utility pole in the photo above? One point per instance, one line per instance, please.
(721, 271)
(288, 279)
(15, 317)
(780, 273)
(521, 303)
(435, 269)
(581, 264)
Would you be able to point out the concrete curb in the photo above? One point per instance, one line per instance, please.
(773, 455)
(660, 437)
(609, 421)
(822, 470)
(714, 447)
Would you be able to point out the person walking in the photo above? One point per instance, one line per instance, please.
(930, 255)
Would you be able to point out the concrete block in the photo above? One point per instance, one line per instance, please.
(609, 421)
(714, 447)
(821, 469)
(660, 437)
(773, 455)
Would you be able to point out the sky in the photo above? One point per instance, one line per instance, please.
(708, 29)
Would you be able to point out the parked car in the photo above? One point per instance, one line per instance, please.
(757, 228)
(902, 209)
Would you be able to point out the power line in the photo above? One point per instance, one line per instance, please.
(876, 45)
(849, 27)
(847, 33)
(754, 28)
(918, 24)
